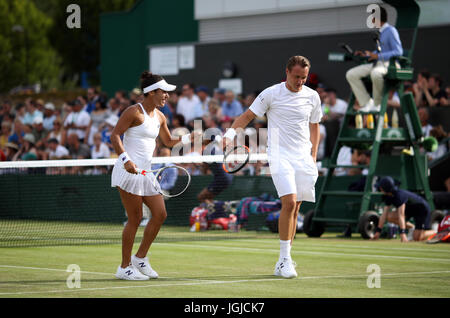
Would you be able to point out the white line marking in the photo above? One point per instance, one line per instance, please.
(207, 282)
(373, 247)
(264, 250)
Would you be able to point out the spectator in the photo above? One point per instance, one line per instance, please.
(172, 102)
(121, 95)
(98, 116)
(113, 106)
(433, 95)
(92, 96)
(249, 99)
(28, 150)
(419, 86)
(106, 128)
(83, 100)
(423, 117)
(260, 125)
(56, 151)
(166, 110)
(231, 107)
(17, 132)
(225, 123)
(78, 122)
(49, 116)
(177, 123)
(100, 149)
(124, 104)
(5, 110)
(321, 90)
(31, 112)
(136, 96)
(333, 107)
(215, 110)
(39, 132)
(40, 105)
(209, 122)
(221, 179)
(188, 102)
(11, 150)
(349, 157)
(57, 132)
(4, 134)
(167, 183)
(77, 149)
(219, 94)
(20, 112)
(202, 108)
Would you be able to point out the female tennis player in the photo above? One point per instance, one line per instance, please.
(293, 111)
(141, 124)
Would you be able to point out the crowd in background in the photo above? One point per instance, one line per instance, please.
(81, 128)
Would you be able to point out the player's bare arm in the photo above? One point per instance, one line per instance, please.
(314, 131)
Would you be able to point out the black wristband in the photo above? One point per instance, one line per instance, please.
(403, 231)
(378, 230)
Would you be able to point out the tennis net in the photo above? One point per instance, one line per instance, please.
(71, 202)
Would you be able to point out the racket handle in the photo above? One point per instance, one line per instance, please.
(140, 171)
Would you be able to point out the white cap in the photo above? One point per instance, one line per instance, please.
(38, 120)
(162, 84)
(49, 106)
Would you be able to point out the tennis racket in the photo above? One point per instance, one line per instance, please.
(170, 181)
(236, 158)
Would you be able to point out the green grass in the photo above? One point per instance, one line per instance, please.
(222, 265)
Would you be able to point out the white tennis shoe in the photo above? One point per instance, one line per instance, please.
(285, 268)
(143, 265)
(130, 273)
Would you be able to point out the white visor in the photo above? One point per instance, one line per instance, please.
(161, 85)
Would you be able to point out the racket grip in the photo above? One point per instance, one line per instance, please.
(139, 171)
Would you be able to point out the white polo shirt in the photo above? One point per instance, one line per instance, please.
(289, 115)
(82, 118)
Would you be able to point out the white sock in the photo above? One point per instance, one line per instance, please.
(285, 249)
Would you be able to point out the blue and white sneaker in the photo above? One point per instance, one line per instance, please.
(285, 268)
(130, 273)
(143, 265)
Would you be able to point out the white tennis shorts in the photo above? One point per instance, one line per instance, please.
(295, 176)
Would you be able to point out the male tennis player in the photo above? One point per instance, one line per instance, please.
(294, 112)
(141, 124)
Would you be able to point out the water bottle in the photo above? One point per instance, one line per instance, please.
(358, 121)
(394, 119)
(370, 121)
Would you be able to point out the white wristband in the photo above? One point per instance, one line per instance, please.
(124, 158)
(230, 134)
(186, 139)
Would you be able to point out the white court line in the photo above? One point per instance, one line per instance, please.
(374, 247)
(207, 282)
(52, 269)
(263, 250)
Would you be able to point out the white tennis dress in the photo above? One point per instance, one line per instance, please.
(289, 147)
(139, 142)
